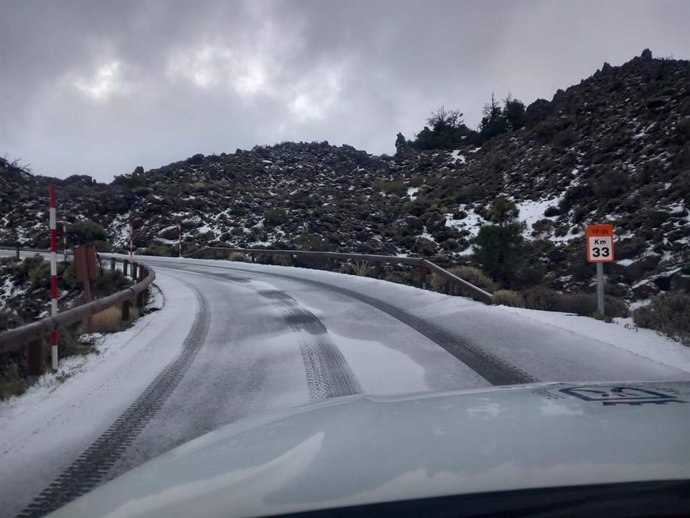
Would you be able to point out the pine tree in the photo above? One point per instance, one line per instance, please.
(498, 245)
(494, 121)
(401, 143)
(514, 111)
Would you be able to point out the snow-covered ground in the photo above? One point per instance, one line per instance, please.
(532, 211)
(471, 223)
(622, 333)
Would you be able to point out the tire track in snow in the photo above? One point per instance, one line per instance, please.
(492, 368)
(328, 373)
(92, 467)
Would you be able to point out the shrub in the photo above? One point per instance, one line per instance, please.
(161, 249)
(669, 314)
(564, 138)
(275, 217)
(509, 298)
(107, 321)
(399, 277)
(11, 380)
(540, 297)
(361, 268)
(468, 273)
(85, 231)
(9, 320)
(584, 304)
(552, 211)
(110, 282)
(237, 256)
(615, 307)
(283, 260)
(392, 187)
(423, 246)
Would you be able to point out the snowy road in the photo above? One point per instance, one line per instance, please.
(235, 339)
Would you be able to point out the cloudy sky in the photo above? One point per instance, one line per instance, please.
(100, 87)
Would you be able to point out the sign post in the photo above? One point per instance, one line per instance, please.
(600, 251)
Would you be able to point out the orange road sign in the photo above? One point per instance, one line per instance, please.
(600, 243)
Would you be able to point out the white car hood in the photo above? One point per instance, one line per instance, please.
(365, 449)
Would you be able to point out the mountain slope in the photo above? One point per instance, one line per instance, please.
(614, 148)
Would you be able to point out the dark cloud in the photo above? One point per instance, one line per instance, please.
(97, 87)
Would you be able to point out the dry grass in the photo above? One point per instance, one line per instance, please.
(238, 256)
(107, 321)
(11, 381)
(361, 268)
(468, 273)
(509, 298)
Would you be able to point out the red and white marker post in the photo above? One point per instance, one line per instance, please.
(53, 275)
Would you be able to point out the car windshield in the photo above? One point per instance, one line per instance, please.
(391, 256)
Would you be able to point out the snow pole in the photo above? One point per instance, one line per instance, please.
(53, 275)
(131, 246)
(64, 241)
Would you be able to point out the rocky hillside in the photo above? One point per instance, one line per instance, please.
(614, 148)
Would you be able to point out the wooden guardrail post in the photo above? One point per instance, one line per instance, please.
(125, 310)
(34, 357)
(125, 263)
(135, 267)
(112, 264)
(422, 275)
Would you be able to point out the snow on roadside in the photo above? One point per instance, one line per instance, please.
(45, 428)
(106, 345)
(622, 334)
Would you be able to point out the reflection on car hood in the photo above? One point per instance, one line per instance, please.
(365, 449)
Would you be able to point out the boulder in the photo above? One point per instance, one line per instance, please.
(649, 262)
(680, 282)
(645, 290)
(657, 102)
(635, 270)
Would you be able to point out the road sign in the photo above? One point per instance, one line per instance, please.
(600, 243)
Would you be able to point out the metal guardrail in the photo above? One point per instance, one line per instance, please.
(14, 339)
(423, 264)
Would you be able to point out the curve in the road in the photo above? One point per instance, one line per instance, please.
(91, 468)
